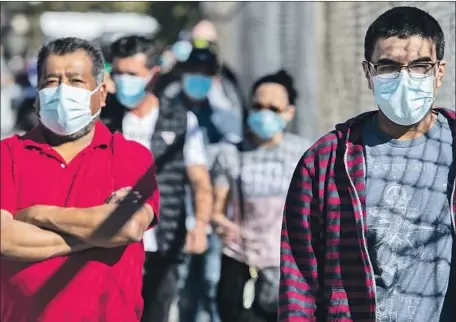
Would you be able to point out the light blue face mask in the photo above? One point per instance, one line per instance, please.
(182, 50)
(404, 100)
(130, 90)
(66, 109)
(266, 124)
(196, 86)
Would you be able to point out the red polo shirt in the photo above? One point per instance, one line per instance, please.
(95, 285)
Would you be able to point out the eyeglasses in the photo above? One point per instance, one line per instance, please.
(275, 109)
(415, 70)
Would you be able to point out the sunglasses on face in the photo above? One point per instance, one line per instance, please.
(258, 106)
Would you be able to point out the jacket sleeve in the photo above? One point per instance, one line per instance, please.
(298, 260)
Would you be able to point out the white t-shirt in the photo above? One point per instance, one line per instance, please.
(140, 129)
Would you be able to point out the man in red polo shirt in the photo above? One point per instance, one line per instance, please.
(69, 251)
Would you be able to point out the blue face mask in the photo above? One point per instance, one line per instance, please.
(130, 90)
(66, 109)
(404, 100)
(265, 124)
(196, 86)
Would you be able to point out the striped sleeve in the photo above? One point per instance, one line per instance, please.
(299, 272)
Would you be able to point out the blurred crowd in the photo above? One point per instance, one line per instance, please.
(224, 162)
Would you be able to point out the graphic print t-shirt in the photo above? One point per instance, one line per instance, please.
(409, 184)
(265, 175)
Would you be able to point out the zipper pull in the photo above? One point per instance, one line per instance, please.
(253, 272)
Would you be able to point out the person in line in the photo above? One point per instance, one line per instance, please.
(161, 128)
(250, 185)
(225, 92)
(27, 117)
(226, 86)
(75, 201)
(199, 274)
(369, 222)
(117, 102)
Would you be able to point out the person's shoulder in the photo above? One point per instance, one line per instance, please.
(295, 139)
(8, 143)
(11, 145)
(14, 140)
(225, 150)
(299, 143)
(129, 149)
(227, 147)
(192, 119)
(318, 150)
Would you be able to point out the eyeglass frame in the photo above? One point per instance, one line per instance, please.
(256, 106)
(407, 67)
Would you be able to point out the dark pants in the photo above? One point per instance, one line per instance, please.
(199, 276)
(159, 287)
(230, 292)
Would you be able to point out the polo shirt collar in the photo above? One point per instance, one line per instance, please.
(35, 138)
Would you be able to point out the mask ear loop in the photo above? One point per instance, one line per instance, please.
(96, 89)
(99, 110)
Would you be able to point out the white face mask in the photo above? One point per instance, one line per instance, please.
(65, 109)
(404, 100)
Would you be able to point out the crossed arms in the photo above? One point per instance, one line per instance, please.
(41, 232)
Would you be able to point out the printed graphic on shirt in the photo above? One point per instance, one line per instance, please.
(168, 137)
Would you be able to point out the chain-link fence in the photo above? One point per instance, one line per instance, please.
(322, 45)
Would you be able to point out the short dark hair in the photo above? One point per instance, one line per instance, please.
(132, 45)
(69, 45)
(404, 22)
(281, 78)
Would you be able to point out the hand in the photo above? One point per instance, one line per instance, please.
(119, 195)
(226, 229)
(196, 240)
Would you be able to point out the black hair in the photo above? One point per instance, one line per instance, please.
(206, 58)
(69, 45)
(281, 78)
(404, 22)
(132, 45)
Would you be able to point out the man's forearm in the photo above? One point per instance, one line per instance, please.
(202, 191)
(108, 225)
(203, 201)
(221, 193)
(24, 242)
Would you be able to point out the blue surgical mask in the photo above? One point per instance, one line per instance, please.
(65, 109)
(196, 86)
(266, 124)
(404, 100)
(130, 90)
(182, 50)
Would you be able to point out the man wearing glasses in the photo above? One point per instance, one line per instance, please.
(369, 221)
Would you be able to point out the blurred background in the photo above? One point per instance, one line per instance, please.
(320, 43)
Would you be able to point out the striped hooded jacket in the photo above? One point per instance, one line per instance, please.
(326, 272)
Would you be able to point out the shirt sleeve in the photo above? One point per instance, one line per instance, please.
(224, 165)
(194, 150)
(8, 189)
